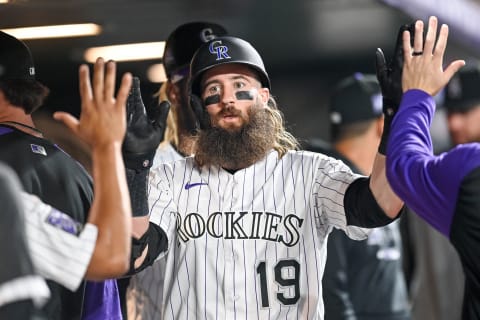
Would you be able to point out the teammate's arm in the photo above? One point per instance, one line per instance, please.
(102, 125)
(412, 166)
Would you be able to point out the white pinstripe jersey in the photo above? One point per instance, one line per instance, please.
(249, 245)
(58, 252)
(165, 153)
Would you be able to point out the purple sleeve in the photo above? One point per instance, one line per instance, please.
(101, 301)
(427, 183)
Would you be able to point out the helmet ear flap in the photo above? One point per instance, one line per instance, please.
(203, 118)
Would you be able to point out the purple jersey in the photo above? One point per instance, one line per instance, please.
(427, 183)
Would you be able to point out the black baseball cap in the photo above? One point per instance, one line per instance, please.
(356, 98)
(16, 61)
(462, 93)
(182, 43)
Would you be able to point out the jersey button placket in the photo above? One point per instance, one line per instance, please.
(234, 191)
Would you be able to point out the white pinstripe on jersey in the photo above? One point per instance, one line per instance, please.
(165, 153)
(57, 254)
(250, 245)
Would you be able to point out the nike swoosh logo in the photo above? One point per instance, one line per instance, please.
(196, 184)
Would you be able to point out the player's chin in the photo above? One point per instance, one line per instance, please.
(231, 125)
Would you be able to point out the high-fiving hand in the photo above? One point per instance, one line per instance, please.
(102, 119)
(144, 131)
(389, 74)
(423, 64)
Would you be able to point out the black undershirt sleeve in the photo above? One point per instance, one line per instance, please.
(361, 208)
(157, 242)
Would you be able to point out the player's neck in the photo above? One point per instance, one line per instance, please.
(16, 117)
(22, 123)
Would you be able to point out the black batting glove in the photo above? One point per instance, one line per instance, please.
(144, 131)
(389, 76)
(144, 134)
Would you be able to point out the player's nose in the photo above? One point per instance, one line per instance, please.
(228, 95)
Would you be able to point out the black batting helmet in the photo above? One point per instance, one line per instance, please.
(182, 43)
(225, 50)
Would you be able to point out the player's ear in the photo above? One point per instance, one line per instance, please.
(264, 94)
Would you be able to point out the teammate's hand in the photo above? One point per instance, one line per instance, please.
(389, 74)
(202, 115)
(425, 71)
(144, 131)
(102, 118)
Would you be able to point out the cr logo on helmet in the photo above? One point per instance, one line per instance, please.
(217, 48)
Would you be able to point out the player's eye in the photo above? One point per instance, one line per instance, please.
(212, 90)
(239, 85)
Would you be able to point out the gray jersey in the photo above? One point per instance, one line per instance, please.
(60, 247)
(249, 245)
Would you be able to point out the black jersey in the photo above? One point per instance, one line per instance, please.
(60, 181)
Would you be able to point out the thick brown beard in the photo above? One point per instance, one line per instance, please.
(238, 149)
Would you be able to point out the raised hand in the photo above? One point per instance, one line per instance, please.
(144, 131)
(425, 71)
(102, 118)
(389, 75)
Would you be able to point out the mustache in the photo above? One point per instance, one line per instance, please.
(230, 111)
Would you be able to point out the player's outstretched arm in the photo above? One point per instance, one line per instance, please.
(423, 180)
(389, 75)
(422, 70)
(145, 131)
(381, 189)
(102, 125)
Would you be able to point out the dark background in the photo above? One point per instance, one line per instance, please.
(307, 45)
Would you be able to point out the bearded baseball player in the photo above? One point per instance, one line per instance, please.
(145, 294)
(242, 225)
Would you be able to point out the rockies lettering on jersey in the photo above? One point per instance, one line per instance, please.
(262, 225)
